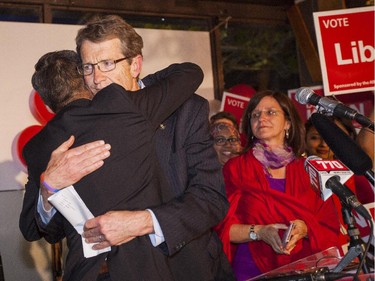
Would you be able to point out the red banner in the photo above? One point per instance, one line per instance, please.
(235, 104)
(346, 49)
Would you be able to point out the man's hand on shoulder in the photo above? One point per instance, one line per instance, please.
(67, 166)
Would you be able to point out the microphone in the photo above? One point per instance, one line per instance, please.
(320, 171)
(344, 147)
(347, 196)
(331, 106)
(329, 176)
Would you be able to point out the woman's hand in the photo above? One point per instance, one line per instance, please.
(270, 235)
(299, 231)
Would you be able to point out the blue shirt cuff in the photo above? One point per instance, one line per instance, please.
(157, 237)
(45, 215)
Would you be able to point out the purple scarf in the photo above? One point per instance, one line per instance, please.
(272, 158)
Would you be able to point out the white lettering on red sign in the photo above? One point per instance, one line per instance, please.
(330, 164)
(360, 53)
(334, 23)
(314, 177)
(236, 103)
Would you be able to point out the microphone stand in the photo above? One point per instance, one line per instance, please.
(370, 177)
(355, 248)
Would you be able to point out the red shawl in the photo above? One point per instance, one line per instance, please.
(252, 201)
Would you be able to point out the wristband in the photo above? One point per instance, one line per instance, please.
(50, 188)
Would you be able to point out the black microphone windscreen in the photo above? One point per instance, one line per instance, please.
(344, 147)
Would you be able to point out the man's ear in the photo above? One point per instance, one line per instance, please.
(136, 66)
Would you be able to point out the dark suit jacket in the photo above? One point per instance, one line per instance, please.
(129, 180)
(197, 200)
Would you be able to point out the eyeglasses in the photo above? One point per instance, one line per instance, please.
(255, 115)
(222, 140)
(104, 66)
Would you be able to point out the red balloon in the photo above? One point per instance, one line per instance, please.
(242, 90)
(42, 114)
(24, 137)
(39, 109)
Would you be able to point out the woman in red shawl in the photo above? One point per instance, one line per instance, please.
(268, 188)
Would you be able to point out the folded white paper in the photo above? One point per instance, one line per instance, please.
(68, 202)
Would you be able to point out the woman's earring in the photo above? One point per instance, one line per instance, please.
(287, 133)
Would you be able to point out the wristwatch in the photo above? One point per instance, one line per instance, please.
(253, 236)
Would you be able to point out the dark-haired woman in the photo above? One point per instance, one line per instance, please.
(268, 188)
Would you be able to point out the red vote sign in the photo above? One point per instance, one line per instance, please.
(235, 104)
(346, 49)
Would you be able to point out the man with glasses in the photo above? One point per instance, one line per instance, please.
(103, 66)
(128, 121)
(193, 199)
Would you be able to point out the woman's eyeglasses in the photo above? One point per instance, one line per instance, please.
(255, 115)
(222, 140)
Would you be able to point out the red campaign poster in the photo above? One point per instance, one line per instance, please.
(362, 102)
(235, 104)
(346, 49)
(363, 225)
